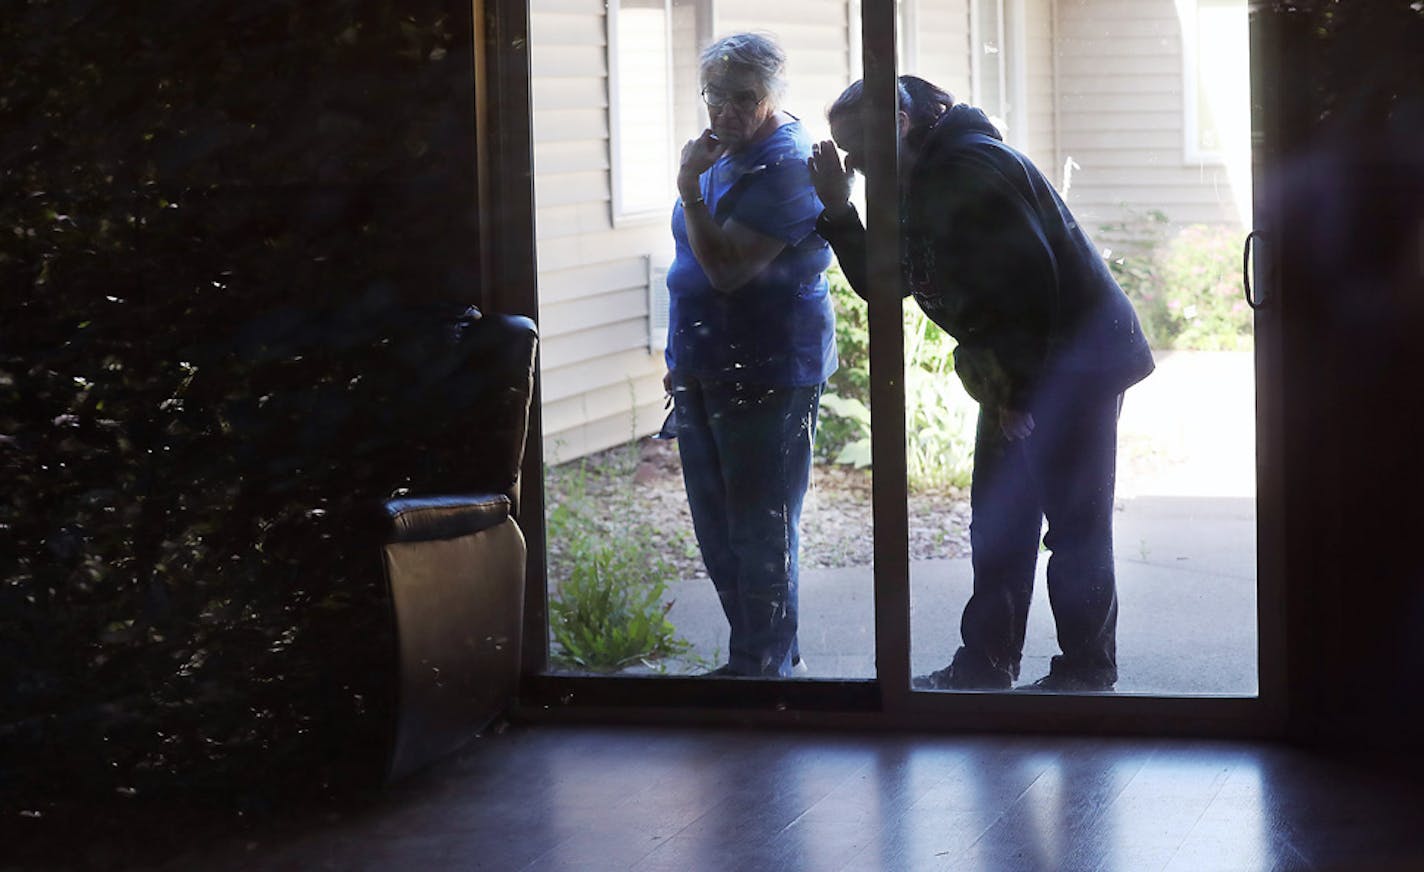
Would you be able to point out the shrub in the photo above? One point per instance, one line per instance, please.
(852, 379)
(1184, 285)
(939, 450)
(1200, 271)
(1133, 262)
(609, 610)
(939, 414)
(605, 616)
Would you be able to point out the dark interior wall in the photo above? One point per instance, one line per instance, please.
(232, 236)
(1348, 197)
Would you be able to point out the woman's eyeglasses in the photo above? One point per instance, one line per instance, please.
(742, 101)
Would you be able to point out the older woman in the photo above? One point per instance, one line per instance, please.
(750, 345)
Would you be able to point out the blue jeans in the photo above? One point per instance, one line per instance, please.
(1065, 472)
(746, 463)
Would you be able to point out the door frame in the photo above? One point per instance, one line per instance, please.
(885, 702)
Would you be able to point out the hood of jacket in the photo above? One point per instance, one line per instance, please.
(960, 121)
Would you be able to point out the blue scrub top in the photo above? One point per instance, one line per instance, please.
(778, 328)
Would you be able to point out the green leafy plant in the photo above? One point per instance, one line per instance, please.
(1200, 269)
(851, 381)
(1131, 256)
(939, 450)
(1185, 284)
(610, 609)
(854, 418)
(939, 446)
(939, 414)
(603, 620)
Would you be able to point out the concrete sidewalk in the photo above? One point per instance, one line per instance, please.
(1186, 549)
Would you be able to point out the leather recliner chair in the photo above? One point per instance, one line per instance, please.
(454, 563)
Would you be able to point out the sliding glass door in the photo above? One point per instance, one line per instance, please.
(1139, 119)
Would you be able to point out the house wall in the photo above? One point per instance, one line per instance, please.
(942, 53)
(600, 383)
(1121, 116)
(941, 41)
(1040, 114)
(815, 34)
(938, 49)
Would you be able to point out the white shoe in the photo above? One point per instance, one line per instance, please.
(799, 668)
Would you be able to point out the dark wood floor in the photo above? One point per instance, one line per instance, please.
(596, 798)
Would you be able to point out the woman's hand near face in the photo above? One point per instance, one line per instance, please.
(830, 179)
(731, 254)
(698, 155)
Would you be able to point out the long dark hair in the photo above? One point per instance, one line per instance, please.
(923, 101)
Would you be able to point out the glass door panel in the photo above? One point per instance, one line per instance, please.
(1138, 122)
(656, 547)
(1139, 119)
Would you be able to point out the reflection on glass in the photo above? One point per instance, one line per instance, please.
(1174, 809)
(1135, 140)
(991, 805)
(1054, 289)
(1148, 553)
(697, 522)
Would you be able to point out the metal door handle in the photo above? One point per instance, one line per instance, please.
(1246, 271)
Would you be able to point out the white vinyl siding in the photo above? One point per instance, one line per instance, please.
(690, 19)
(1121, 117)
(815, 36)
(1041, 140)
(942, 43)
(995, 54)
(599, 382)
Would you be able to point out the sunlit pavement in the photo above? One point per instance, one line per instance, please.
(1186, 553)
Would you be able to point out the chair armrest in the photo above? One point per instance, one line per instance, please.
(424, 519)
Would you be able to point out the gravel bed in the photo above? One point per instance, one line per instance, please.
(642, 484)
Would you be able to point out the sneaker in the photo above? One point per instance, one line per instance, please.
(1066, 682)
(950, 678)
(799, 669)
(723, 671)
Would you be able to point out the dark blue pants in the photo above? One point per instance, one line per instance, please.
(746, 462)
(1065, 472)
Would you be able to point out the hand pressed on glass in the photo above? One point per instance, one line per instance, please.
(831, 180)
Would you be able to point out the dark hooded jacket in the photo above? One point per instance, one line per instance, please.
(993, 256)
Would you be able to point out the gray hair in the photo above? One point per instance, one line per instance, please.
(756, 53)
